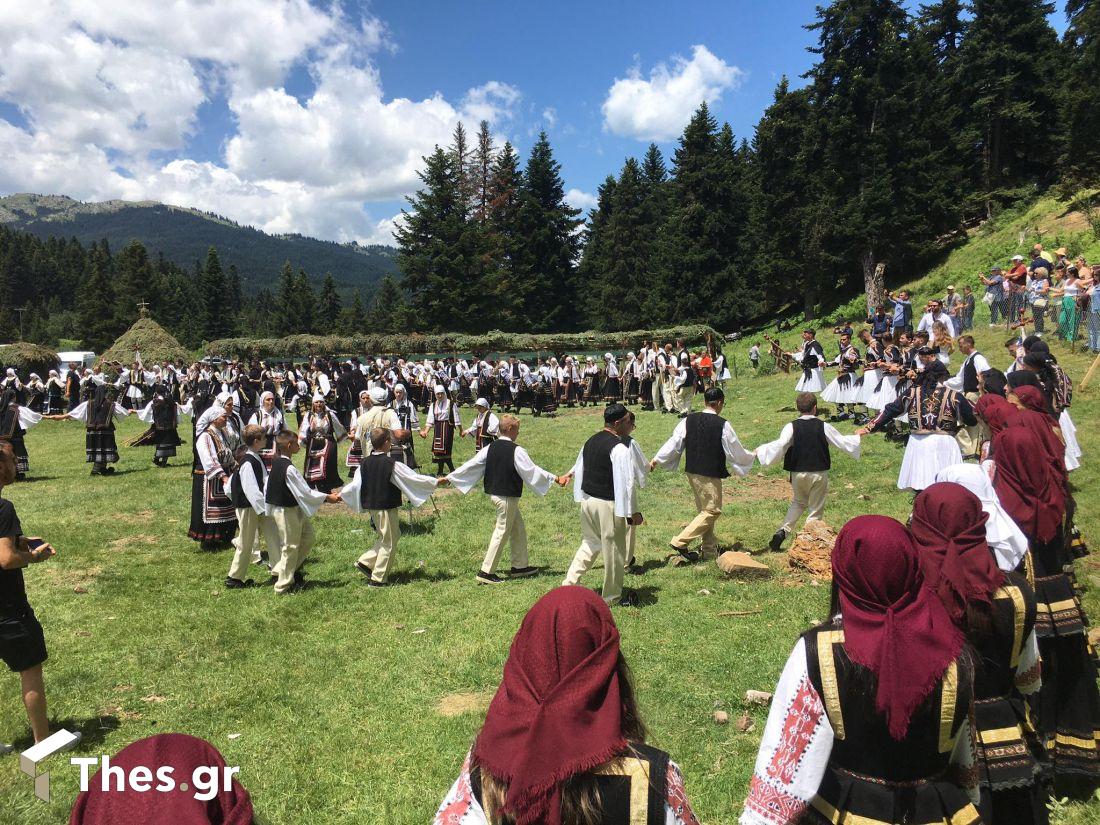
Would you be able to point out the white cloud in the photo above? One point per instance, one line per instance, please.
(580, 199)
(550, 115)
(110, 90)
(658, 108)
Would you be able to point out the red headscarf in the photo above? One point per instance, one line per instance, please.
(948, 527)
(178, 807)
(1028, 487)
(996, 411)
(893, 625)
(1034, 416)
(558, 711)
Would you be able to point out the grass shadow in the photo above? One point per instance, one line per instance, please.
(93, 731)
(647, 595)
(324, 584)
(419, 526)
(646, 566)
(420, 574)
(34, 479)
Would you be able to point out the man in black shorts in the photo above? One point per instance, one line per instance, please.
(22, 646)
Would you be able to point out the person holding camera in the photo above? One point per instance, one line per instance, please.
(22, 643)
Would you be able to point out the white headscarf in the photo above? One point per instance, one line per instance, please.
(378, 395)
(1005, 538)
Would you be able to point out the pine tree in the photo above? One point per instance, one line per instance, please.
(306, 302)
(353, 318)
(287, 316)
(1009, 73)
(213, 289)
(328, 304)
(504, 243)
(429, 245)
(549, 226)
(462, 161)
(1080, 100)
(96, 303)
(234, 290)
(482, 172)
(386, 307)
(594, 270)
(134, 282)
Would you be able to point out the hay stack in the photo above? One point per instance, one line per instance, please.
(26, 358)
(812, 550)
(153, 341)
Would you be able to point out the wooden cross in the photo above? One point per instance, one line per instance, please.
(143, 308)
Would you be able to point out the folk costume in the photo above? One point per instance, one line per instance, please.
(213, 516)
(291, 504)
(486, 426)
(99, 416)
(377, 489)
(846, 389)
(966, 381)
(935, 414)
(443, 418)
(505, 467)
(272, 423)
(1033, 493)
(811, 356)
(882, 390)
(408, 420)
(247, 488)
(162, 415)
(72, 390)
(948, 527)
(712, 449)
(133, 383)
(14, 422)
(320, 433)
(604, 487)
(55, 394)
(355, 453)
(804, 445)
(855, 732)
(34, 392)
(558, 716)
(612, 385)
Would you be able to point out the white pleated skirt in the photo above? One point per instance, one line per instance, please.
(925, 455)
(838, 394)
(1069, 433)
(886, 393)
(815, 383)
(867, 388)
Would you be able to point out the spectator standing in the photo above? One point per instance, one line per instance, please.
(994, 294)
(902, 320)
(1015, 286)
(967, 310)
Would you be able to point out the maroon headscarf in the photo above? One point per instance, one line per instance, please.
(948, 527)
(1035, 417)
(893, 624)
(184, 753)
(1028, 487)
(996, 411)
(558, 711)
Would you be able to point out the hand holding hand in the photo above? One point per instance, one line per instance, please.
(653, 464)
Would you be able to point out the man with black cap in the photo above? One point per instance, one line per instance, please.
(712, 448)
(935, 414)
(506, 468)
(604, 486)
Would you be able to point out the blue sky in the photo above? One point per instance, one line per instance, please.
(301, 116)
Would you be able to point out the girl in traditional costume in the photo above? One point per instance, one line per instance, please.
(443, 419)
(213, 516)
(268, 418)
(14, 421)
(162, 415)
(321, 432)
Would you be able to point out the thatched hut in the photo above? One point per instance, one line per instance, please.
(153, 341)
(26, 358)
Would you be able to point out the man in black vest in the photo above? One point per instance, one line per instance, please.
(966, 381)
(804, 447)
(246, 491)
(506, 467)
(604, 486)
(710, 444)
(684, 381)
(377, 489)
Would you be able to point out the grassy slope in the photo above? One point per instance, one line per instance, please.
(335, 694)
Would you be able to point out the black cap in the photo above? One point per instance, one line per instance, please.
(613, 413)
(926, 351)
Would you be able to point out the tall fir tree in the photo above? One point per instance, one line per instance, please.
(353, 318)
(328, 304)
(213, 289)
(504, 242)
(306, 302)
(1080, 99)
(96, 305)
(481, 172)
(288, 316)
(386, 308)
(1009, 77)
(549, 225)
(594, 269)
(233, 290)
(429, 241)
(135, 282)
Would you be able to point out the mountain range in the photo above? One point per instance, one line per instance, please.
(184, 235)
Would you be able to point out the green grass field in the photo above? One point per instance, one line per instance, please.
(343, 704)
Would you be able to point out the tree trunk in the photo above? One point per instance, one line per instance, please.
(874, 281)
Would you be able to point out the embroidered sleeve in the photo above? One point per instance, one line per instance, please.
(794, 750)
(964, 761)
(460, 807)
(1029, 676)
(677, 808)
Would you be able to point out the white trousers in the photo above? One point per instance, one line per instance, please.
(510, 530)
(602, 534)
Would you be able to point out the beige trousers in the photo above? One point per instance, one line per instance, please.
(971, 438)
(657, 390)
(387, 532)
(810, 490)
(509, 530)
(246, 544)
(708, 503)
(668, 392)
(295, 540)
(602, 534)
(684, 396)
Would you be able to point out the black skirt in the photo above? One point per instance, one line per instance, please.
(100, 447)
(200, 529)
(844, 796)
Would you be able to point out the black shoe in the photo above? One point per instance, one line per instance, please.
(629, 598)
(373, 583)
(776, 544)
(362, 568)
(690, 555)
(299, 578)
(264, 557)
(236, 584)
(271, 582)
(108, 471)
(522, 572)
(488, 578)
(96, 472)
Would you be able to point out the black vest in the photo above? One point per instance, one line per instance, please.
(501, 478)
(970, 374)
(236, 489)
(377, 490)
(703, 452)
(278, 494)
(809, 450)
(599, 480)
